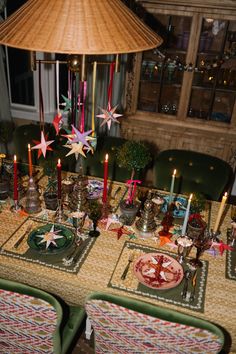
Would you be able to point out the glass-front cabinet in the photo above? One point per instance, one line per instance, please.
(212, 93)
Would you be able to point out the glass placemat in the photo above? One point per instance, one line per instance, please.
(230, 269)
(171, 296)
(43, 257)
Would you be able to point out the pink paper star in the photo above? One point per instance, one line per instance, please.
(43, 146)
(109, 116)
(80, 137)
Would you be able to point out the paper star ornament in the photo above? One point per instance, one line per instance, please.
(57, 122)
(50, 237)
(80, 137)
(164, 240)
(109, 116)
(43, 145)
(76, 148)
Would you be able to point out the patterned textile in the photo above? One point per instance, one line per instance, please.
(26, 324)
(120, 330)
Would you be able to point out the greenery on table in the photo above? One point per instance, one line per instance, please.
(6, 133)
(198, 203)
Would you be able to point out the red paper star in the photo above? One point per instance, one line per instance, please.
(120, 231)
(42, 145)
(57, 122)
(222, 247)
(165, 239)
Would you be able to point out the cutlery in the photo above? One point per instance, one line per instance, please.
(187, 276)
(72, 257)
(194, 283)
(18, 242)
(125, 272)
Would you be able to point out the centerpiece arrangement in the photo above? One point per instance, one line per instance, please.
(196, 225)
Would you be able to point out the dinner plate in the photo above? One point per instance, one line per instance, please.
(95, 189)
(158, 271)
(180, 206)
(39, 239)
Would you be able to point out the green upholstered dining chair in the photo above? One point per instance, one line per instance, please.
(125, 325)
(33, 321)
(196, 172)
(93, 164)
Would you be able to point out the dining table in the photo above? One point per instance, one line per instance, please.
(101, 261)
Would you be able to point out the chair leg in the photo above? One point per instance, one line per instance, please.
(88, 329)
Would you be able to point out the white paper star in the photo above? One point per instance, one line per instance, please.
(50, 237)
(112, 219)
(43, 144)
(76, 148)
(109, 116)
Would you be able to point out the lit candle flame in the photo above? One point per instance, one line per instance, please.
(106, 157)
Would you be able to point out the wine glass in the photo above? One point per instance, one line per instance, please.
(95, 213)
(184, 244)
(202, 243)
(78, 219)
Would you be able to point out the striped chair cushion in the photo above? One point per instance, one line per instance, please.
(26, 324)
(121, 330)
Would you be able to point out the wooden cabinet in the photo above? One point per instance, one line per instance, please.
(183, 94)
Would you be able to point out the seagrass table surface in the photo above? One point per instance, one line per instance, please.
(98, 268)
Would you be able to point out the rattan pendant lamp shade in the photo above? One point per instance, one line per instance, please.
(77, 27)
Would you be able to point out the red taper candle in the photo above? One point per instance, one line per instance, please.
(15, 195)
(59, 179)
(30, 161)
(104, 197)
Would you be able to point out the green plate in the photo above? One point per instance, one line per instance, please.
(35, 241)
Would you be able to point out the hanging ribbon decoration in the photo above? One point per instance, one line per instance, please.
(57, 121)
(93, 97)
(112, 69)
(83, 93)
(42, 145)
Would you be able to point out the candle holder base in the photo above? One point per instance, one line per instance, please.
(215, 235)
(16, 207)
(59, 215)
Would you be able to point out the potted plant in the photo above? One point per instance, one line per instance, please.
(134, 156)
(50, 193)
(196, 224)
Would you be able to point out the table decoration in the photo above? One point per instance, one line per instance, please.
(220, 212)
(196, 226)
(78, 198)
(171, 296)
(32, 203)
(184, 227)
(178, 207)
(15, 207)
(146, 223)
(230, 269)
(105, 176)
(184, 244)
(172, 186)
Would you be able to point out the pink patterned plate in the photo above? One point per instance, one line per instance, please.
(158, 271)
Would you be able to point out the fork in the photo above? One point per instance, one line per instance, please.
(125, 272)
(21, 239)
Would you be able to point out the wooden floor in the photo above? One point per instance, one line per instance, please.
(83, 345)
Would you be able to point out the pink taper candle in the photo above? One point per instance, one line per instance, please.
(59, 179)
(15, 195)
(104, 197)
(30, 161)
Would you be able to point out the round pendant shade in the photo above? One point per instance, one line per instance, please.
(77, 27)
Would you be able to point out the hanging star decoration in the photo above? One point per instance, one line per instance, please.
(75, 148)
(58, 122)
(42, 145)
(50, 237)
(221, 247)
(67, 103)
(109, 116)
(79, 147)
(80, 137)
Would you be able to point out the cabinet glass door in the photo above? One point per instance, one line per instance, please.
(214, 84)
(162, 69)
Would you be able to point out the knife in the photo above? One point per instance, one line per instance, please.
(194, 283)
(18, 242)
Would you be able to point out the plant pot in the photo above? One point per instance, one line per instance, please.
(128, 212)
(51, 200)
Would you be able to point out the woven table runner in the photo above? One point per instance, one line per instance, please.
(172, 296)
(55, 261)
(230, 269)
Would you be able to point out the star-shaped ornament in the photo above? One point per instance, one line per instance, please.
(57, 122)
(80, 137)
(76, 148)
(164, 239)
(109, 116)
(50, 237)
(112, 219)
(43, 145)
(120, 231)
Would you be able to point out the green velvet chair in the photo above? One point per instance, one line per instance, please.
(196, 172)
(125, 325)
(33, 321)
(93, 164)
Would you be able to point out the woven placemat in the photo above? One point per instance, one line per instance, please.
(172, 296)
(230, 269)
(50, 260)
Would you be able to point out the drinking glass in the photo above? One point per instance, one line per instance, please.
(184, 244)
(202, 244)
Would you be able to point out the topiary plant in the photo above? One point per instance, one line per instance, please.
(133, 155)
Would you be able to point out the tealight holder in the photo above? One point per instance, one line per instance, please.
(59, 215)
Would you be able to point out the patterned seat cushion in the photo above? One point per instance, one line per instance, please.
(27, 324)
(121, 330)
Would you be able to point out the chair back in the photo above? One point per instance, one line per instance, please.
(196, 172)
(125, 325)
(29, 320)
